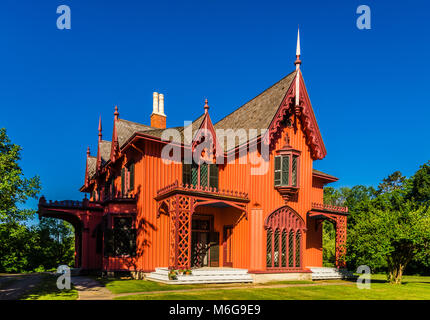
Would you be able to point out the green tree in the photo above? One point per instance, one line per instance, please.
(57, 243)
(394, 181)
(15, 189)
(391, 238)
(419, 186)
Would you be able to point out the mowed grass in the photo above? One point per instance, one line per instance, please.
(47, 290)
(118, 286)
(413, 288)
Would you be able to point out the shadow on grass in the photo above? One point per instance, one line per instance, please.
(47, 290)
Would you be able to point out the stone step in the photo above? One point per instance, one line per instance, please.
(211, 271)
(215, 275)
(322, 273)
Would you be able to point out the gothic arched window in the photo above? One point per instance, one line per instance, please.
(284, 239)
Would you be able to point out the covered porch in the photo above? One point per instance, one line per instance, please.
(84, 216)
(338, 216)
(205, 226)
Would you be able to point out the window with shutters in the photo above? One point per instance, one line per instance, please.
(127, 179)
(286, 170)
(203, 175)
(286, 175)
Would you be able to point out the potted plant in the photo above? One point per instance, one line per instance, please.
(173, 275)
(188, 272)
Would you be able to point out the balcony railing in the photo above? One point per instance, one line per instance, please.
(329, 207)
(179, 187)
(63, 203)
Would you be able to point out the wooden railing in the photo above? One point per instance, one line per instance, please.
(329, 207)
(176, 186)
(63, 203)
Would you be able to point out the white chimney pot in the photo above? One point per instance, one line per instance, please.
(155, 103)
(161, 104)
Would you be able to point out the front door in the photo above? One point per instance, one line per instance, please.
(200, 237)
(227, 250)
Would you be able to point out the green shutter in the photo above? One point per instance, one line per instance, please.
(131, 168)
(204, 175)
(277, 170)
(123, 181)
(294, 171)
(285, 170)
(194, 174)
(213, 175)
(186, 173)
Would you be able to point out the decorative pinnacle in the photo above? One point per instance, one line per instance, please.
(116, 113)
(206, 106)
(298, 62)
(100, 128)
(88, 151)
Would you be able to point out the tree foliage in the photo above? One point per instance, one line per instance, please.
(388, 228)
(23, 247)
(15, 189)
(41, 247)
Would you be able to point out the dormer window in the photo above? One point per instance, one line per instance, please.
(202, 175)
(287, 168)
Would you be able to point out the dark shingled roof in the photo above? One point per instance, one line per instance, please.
(125, 129)
(195, 127)
(105, 147)
(258, 112)
(91, 165)
(255, 114)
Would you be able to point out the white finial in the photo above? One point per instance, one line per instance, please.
(298, 62)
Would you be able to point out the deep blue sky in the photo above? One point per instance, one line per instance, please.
(369, 88)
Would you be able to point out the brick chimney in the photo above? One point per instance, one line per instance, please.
(158, 118)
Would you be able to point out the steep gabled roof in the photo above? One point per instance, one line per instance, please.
(125, 129)
(104, 147)
(258, 112)
(195, 125)
(91, 166)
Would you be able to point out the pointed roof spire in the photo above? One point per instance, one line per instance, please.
(206, 106)
(100, 128)
(116, 113)
(88, 151)
(298, 62)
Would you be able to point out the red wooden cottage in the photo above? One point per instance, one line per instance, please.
(253, 201)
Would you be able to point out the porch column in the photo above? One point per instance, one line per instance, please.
(180, 210)
(340, 241)
(256, 240)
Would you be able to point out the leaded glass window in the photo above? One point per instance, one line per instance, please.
(284, 248)
(269, 248)
(291, 249)
(298, 239)
(276, 249)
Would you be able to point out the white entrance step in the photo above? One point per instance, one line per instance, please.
(203, 275)
(323, 273)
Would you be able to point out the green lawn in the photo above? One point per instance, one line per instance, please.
(117, 286)
(47, 290)
(414, 287)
